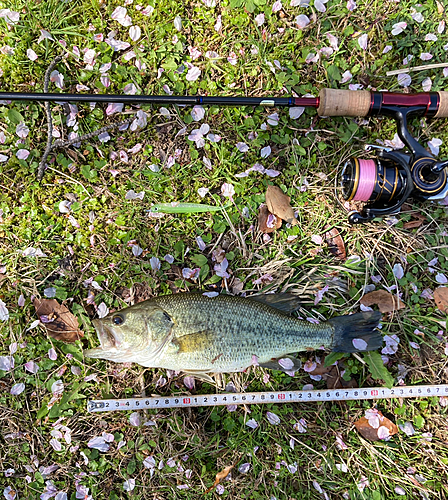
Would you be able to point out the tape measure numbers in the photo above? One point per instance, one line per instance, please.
(408, 391)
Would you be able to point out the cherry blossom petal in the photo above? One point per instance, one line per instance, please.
(17, 389)
(259, 20)
(398, 28)
(426, 56)
(193, 74)
(362, 41)
(272, 418)
(253, 424)
(198, 113)
(103, 310)
(178, 23)
(434, 145)
(404, 79)
(302, 21)
(129, 485)
(135, 33)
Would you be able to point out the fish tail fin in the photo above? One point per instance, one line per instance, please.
(356, 332)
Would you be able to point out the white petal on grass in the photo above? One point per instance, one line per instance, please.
(398, 28)
(253, 424)
(272, 418)
(193, 74)
(398, 271)
(426, 56)
(418, 17)
(259, 20)
(32, 367)
(441, 278)
(277, 5)
(302, 21)
(178, 23)
(114, 107)
(32, 56)
(135, 33)
(296, 112)
(129, 485)
(430, 37)
(427, 84)
(434, 146)
(4, 313)
(198, 113)
(137, 250)
(404, 80)
(98, 443)
(244, 468)
(273, 119)
(441, 27)
(50, 292)
(56, 445)
(17, 389)
(399, 490)
(227, 190)
(265, 152)
(134, 419)
(189, 382)
(333, 41)
(102, 310)
(346, 76)
(362, 41)
(320, 5)
(155, 263)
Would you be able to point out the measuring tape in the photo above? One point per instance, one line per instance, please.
(406, 391)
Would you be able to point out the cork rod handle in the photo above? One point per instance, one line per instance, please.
(443, 105)
(346, 102)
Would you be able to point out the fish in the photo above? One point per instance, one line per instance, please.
(200, 334)
(184, 208)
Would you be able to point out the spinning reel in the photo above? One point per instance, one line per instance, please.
(386, 182)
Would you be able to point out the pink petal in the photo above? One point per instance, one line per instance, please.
(17, 389)
(272, 418)
(359, 344)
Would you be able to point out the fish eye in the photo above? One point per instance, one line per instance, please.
(117, 319)
(154, 209)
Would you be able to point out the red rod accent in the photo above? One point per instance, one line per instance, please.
(406, 100)
(307, 102)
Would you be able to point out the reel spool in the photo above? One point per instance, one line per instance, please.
(385, 183)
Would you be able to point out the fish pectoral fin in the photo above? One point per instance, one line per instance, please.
(197, 341)
(285, 302)
(204, 376)
(274, 364)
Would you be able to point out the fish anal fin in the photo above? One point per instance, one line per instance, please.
(204, 376)
(285, 302)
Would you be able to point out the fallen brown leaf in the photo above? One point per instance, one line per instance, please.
(367, 431)
(279, 205)
(441, 298)
(385, 301)
(335, 243)
(62, 324)
(221, 475)
(440, 8)
(263, 215)
(412, 224)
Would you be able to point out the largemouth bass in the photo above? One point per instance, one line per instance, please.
(197, 334)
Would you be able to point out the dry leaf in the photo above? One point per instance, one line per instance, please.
(221, 475)
(335, 243)
(441, 298)
(412, 224)
(61, 324)
(367, 431)
(263, 215)
(440, 8)
(385, 301)
(279, 205)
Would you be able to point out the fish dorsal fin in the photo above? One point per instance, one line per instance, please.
(285, 302)
(197, 341)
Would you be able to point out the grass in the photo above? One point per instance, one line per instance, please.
(308, 152)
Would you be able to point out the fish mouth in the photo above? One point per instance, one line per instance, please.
(107, 338)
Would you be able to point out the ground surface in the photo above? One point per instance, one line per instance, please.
(83, 237)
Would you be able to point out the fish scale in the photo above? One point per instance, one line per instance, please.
(197, 334)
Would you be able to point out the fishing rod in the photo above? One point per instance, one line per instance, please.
(383, 183)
